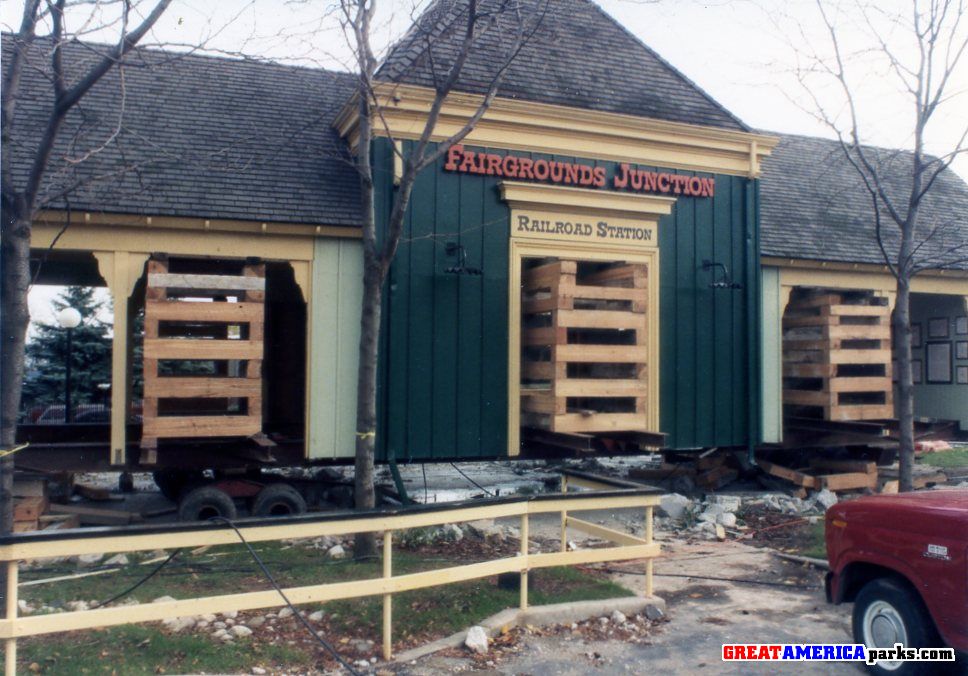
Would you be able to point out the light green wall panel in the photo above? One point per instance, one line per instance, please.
(334, 347)
(946, 402)
(771, 355)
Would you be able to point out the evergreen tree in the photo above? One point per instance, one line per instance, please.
(90, 354)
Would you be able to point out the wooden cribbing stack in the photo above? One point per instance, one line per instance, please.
(837, 356)
(584, 348)
(213, 319)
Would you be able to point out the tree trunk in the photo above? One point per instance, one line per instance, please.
(14, 283)
(365, 494)
(905, 387)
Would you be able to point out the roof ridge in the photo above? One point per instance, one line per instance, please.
(675, 71)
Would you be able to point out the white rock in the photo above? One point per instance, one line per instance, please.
(231, 614)
(727, 519)
(219, 625)
(229, 621)
(257, 621)
(618, 617)
(317, 616)
(117, 560)
(711, 514)
(24, 607)
(259, 671)
(729, 503)
(477, 640)
(219, 633)
(336, 552)
(177, 624)
(208, 617)
(89, 559)
(284, 613)
(674, 506)
(241, 631)
(78, 606)
(452, 532)
(825, 499)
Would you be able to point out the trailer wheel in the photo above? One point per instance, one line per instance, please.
(205, 502)
(278, 500)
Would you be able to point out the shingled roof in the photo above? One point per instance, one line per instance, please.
(200, 136)
(577, 55)
(813, 205)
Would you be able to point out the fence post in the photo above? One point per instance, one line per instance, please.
(524, 563)
(648, 561)
(10, 645)
(387, 598)
(564, 516)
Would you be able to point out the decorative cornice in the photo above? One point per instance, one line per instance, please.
(540, 127)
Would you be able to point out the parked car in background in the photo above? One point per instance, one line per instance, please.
(902, 560)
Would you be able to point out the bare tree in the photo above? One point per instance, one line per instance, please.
(20, 199)
(921, 48)
(465, 23)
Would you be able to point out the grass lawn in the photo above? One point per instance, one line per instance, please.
(956, 457)
(813, 542)
(419, 616)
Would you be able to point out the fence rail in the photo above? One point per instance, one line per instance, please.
(16, 548)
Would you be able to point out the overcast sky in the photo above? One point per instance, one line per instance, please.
(739, 51)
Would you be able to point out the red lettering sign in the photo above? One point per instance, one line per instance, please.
(626, 176)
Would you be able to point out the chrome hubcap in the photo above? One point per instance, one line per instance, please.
(883, 627)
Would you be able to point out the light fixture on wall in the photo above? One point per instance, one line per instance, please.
(455, 249)
(724, 281)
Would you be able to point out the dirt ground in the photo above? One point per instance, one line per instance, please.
(781, 602)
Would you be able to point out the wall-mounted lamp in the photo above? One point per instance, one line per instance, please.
(724, 281)
(455, 249)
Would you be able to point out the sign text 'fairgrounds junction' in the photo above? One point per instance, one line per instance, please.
(626, 177)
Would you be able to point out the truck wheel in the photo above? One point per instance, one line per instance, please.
(887, 612)
(205, 502)
(278, 500)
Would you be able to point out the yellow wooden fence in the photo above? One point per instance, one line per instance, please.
(17, 548)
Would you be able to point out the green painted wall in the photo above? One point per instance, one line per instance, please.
(771, 354)
(945, 402)
(443, 375)
(337, 294)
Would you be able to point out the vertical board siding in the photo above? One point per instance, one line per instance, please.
(772, 355)
(444, 364)
(337, 293)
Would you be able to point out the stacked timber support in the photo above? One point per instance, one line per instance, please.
(203, 353)
(837, 356)
(584, 347)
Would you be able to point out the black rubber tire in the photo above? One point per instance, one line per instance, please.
(205, 502)
(278, 500)
(906, 604)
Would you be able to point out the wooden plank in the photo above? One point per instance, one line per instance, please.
(807, 398)
(820, 300)
(185, 311)
(30, 509)
(600, 387)
(96, 516)
(861, 412)
(598, 422)
(186, 348)
(601, 319)
(865, 384)
(554, 302)
(548, 335)
(809, 370)
(206, 282)
(859, 331)
(543, 402)
(537, 370)
(847, 481)
(203, 426)
(603, 533)
(618, 354)
(856, 310)
(607, 292)
(792, 321)
(880, 356)
(791, 475)
(184, 387)
(637, 273)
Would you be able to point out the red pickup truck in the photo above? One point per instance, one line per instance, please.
(903, 561)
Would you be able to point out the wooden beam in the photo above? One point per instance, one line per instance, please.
(184, 311)
(203, 426)
(187, 348)
(618, 354)
(190, 387)
(206, 282)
